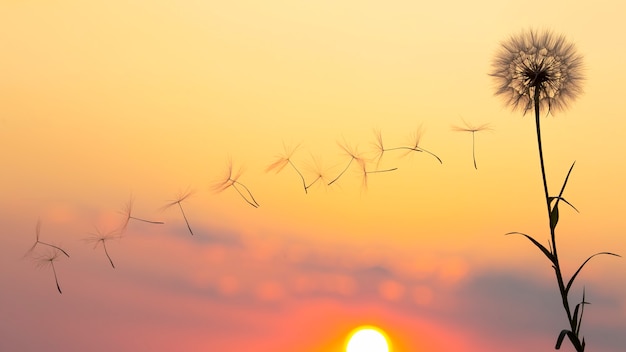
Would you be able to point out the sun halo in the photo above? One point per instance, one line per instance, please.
(367, 339)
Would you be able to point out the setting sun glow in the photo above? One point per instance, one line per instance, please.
(367, 339)
(311, 176)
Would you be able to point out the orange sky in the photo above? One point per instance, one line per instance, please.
(104, 99)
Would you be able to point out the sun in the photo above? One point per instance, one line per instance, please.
(367, 339)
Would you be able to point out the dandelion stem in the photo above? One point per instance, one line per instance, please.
(541, 161)
(555, 261)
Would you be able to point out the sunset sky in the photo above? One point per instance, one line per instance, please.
(104, 100)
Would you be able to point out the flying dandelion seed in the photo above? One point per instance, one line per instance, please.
(317, 169)
(473, 130)
(379, 146)
(417, 137)
(37, 241)
(353, 154)
(232, 181)
(414, 147)
(284, 160)
(181, 198)
(127, 212)
(100, 237)
(366, 172)
(48, 259)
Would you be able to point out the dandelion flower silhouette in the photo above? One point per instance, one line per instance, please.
(232, 181)
(353, 154)
(473, 130)
(37, 241)
(537, 68)
(127, 212)
(181, 197)
(284, 160)
(101, 238)
(48, 259)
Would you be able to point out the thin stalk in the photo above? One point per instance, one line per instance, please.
(306, 187)
(474, 149)
(148, 221)
(252, 202)
(543, 169)
(53, 246)
(342, 172)
(56, 280)
(299, 174)
(416, 149)
(557, 268)
(185, 217)
(104, 245)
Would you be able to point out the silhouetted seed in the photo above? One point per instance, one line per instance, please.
(37, 241)
(379, 146)
(366, 172)
(127, 212)
(473, 130)
(48, 259)
(317, 169)
(232, 181)
(415, 147)
(181, 197)
(101, 238)
(285, 159)
(353, 154)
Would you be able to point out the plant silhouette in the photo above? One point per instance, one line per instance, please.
(48, 259)
(473, 129)
(127, 213)
(37, 241)
(181, 198)
(284, 160)
(543, 71)
(100, 237)
(231, 180)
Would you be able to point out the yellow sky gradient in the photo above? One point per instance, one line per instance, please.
(103, 99)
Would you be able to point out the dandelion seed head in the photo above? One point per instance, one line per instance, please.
(541, 61)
